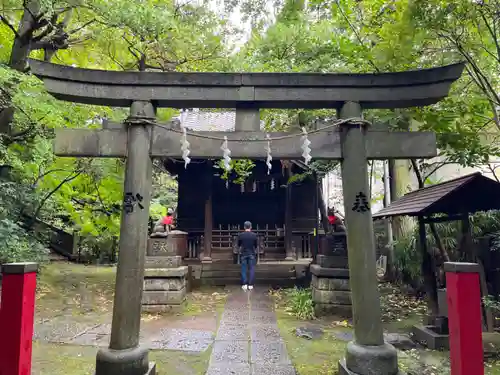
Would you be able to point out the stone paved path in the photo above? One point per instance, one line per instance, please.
(248, 341)
(188, 334)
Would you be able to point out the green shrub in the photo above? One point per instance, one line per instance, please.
(408, 259)
(299, 303)
(491, 302)
(16, 245)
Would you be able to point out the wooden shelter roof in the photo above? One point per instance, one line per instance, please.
(466, 194)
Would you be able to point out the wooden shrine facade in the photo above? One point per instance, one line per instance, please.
(213, 210)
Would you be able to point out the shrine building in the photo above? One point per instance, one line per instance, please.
(213, 210)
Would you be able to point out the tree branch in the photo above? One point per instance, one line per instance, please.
(9, 25)
(69, 178)
(358, 36)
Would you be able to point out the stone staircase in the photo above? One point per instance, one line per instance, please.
(268, 273)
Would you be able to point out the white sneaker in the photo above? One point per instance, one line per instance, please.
(244, 287)
(250, 287)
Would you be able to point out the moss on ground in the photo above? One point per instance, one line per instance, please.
(310, 357)
(85, 293)
(75, 289)
(320, 357)
(55, 359)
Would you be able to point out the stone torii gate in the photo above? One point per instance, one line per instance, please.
(140, 138)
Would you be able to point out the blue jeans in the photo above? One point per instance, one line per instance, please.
(247, 263)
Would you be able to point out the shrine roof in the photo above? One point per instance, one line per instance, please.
(202, 120)
(470, 193)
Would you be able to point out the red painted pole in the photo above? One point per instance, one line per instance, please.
(17, 315)
(464, 318)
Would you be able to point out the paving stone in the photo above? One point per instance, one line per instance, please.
(237, 311)
(59, 332)
(344, 336)
(271, 353)
(262, 305)
(229, 353)
(188, 340)
(260, 297)
(273, 370)
(102, 329)
(238, 297)
(263, 332)
(235, 317)
(309, 333)
(262, 317)
(228, 332)
(400, 341)
(229, 369)
(91, 339)
(237, 305)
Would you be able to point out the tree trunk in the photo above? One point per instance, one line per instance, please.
(19, 55)
(400, 178)
(21, 47)
(389, 246)
(323, 209)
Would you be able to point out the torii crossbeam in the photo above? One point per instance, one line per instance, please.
(140, 138)
(205, 145)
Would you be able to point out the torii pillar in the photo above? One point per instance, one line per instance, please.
(125, 355)
(367, 354)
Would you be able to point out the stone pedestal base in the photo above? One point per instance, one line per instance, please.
(330, 290)
(431, 337)
(165, 289)
(124, 362)
(369, 360)
(343, 370)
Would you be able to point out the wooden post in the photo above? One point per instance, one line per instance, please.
(207, 245)
(289, 249)
(317, 181)
(208, 215)
(427, 268)
(125, 355)
(17, 314)
(367, 354)
(464, 316)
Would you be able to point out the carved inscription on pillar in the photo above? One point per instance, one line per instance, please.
(361, 203)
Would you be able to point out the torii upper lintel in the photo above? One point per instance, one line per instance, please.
(255, 90)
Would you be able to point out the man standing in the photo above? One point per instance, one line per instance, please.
(247, 243)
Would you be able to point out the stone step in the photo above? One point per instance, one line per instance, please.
(277, 274)
(271, 282)
(216, 249)
(271, 267)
